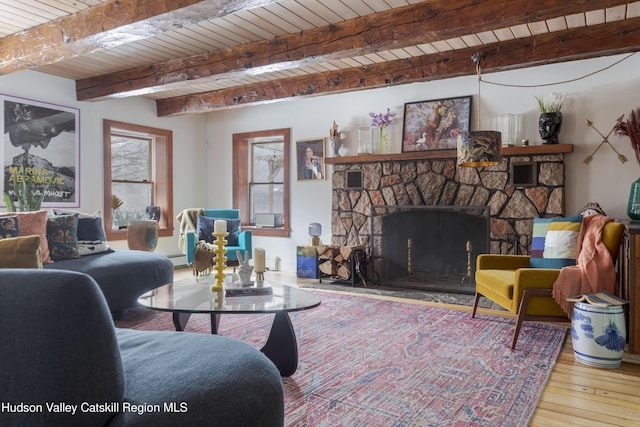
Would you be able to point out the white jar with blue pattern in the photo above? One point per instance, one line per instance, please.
(598, 335)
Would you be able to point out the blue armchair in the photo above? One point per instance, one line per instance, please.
(244, 237)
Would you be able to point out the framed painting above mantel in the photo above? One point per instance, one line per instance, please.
(434, 125)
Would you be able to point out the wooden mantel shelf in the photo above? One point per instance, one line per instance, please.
(449, 154)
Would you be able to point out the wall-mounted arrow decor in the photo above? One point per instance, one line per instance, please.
(605, 140)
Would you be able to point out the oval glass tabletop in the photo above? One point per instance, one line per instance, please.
(192, 296)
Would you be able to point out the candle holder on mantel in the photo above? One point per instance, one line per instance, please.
(220, 260)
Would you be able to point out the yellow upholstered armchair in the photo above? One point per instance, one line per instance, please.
(508, 281)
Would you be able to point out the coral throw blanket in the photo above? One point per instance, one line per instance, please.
(594, 270)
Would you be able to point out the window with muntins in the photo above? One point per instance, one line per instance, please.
(261, 181)
(138, 174)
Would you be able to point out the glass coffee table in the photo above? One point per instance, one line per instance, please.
(187, 296)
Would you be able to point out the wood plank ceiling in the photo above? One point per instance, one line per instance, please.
(201, 56)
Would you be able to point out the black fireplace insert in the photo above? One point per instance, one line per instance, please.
(428, 247)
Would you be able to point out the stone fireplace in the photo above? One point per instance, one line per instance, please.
(529, 183)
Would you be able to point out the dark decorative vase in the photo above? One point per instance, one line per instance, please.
(633, 207)
(549, 125)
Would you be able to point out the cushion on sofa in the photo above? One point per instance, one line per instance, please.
(34, 223)
(554, 242)
(205, 228)
(20, 252)
(122, 275)
(92, 238)
(58, 345)
(226, 382)
(9, 226)
(62, 233)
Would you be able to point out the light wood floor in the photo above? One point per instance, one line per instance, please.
(575, 395)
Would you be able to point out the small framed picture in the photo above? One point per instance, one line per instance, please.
(311, 155)
(435, 125)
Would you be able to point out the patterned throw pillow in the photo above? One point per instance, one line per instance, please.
(9, 226)
(62, 233)
(34, 224)
(554, 242)
(92, 238)
(205, 228)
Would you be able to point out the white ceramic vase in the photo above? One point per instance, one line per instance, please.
(598, 335)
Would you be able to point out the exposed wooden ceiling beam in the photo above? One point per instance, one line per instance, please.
(411, 25)
(580, 43)
(108, 25)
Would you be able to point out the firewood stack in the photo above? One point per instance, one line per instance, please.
(335, 261)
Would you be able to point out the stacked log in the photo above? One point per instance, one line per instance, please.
(335, 261)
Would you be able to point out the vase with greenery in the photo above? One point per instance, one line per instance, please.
(116, 202)
(550, 120)
(28, 198)
(631, 129)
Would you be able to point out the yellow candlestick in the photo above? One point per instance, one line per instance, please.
(220, 260)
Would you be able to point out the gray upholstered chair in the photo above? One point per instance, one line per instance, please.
(59, 344)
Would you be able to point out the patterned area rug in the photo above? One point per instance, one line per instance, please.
(415, 294)
(371, 362)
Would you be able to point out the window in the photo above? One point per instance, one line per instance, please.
(261, 181)
(138, 172)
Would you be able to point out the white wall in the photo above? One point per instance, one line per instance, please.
(601, 98)
(188, 141)
(202, 143)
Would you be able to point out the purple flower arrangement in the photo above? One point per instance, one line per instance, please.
(382, 119)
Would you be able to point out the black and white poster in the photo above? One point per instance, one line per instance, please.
(40, 152)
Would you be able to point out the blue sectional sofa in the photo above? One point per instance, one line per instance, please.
(122, 275)
(65, 364)
(75, 241)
